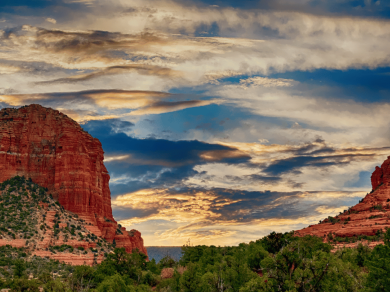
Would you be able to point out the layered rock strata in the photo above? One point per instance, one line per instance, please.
(368, 218)
(55, 152)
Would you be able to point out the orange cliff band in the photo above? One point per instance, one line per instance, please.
(369, 217)
(55, 152)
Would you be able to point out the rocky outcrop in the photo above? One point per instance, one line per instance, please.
(55, 152)
(368, 218)
(381, 175)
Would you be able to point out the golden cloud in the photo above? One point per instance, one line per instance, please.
(200, 215)
(141, 102)
(9, 69)
(160, 107)
(115, 158)
(180, 208)
(113, 70)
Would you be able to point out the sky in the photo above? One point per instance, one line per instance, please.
(221, 121)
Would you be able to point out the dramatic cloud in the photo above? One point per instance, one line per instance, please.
(311, 166)
(137, 102)
(221, 121)
(142, 69)
(224, 214)
(301, 42)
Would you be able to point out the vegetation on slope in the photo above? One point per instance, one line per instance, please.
(25, 209)
(278, 262)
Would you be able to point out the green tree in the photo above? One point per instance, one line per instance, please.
(255, 254)
(191, 278)
(275, 241)
(114, 283)
(379, 266)
(257, 285)
(24, 285)
(19, 268)
(82, 278)
(55, 286)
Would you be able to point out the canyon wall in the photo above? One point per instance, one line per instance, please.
(370, 216)
(55, 152)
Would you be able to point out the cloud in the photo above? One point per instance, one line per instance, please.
(211, 182)
(9, 69)
(139, 102)
(51, 20)
(285, 168)
(294, 163)
(266, 82)
(86, 2)
(166, 107)
(159, 151)
(214, 76)
(220, 214)
(135, 163)
(141, 69)
(301, 42)
(298, 105)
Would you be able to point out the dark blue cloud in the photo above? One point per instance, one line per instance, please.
(28, 3)
(59, 9)
(154, 162)
(173, 152)
(373, 8)
(247, 206)
(293, 164)
(37, 4)
(366, 85)
(126, 213)
(147, 176)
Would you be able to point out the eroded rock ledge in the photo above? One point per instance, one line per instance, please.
(369, 218)
(55, 152)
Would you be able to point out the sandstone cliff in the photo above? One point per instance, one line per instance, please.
(366, 220)
(55, 152)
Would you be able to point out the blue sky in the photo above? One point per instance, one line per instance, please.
(221, 121)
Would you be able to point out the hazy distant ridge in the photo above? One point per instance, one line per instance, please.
(158, 252)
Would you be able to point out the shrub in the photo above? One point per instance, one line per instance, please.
(167, 273)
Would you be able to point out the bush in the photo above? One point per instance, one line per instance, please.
(114, 283)
(24, 285)
(55, 286)
(19, 268)
(167, 273)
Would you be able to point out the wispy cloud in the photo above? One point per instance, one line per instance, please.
(218, 215)
(203, 108)
(266, 82)
(113, 70)
(136, 101)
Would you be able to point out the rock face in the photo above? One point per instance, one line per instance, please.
(55, 152)
(368, 218)
(381, 175)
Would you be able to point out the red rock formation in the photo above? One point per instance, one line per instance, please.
(376, 177)
(368, 217)
(69, 258)
(55, 152)
(136, 240)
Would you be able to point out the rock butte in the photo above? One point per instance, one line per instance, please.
(55, 152)
(376, 205)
